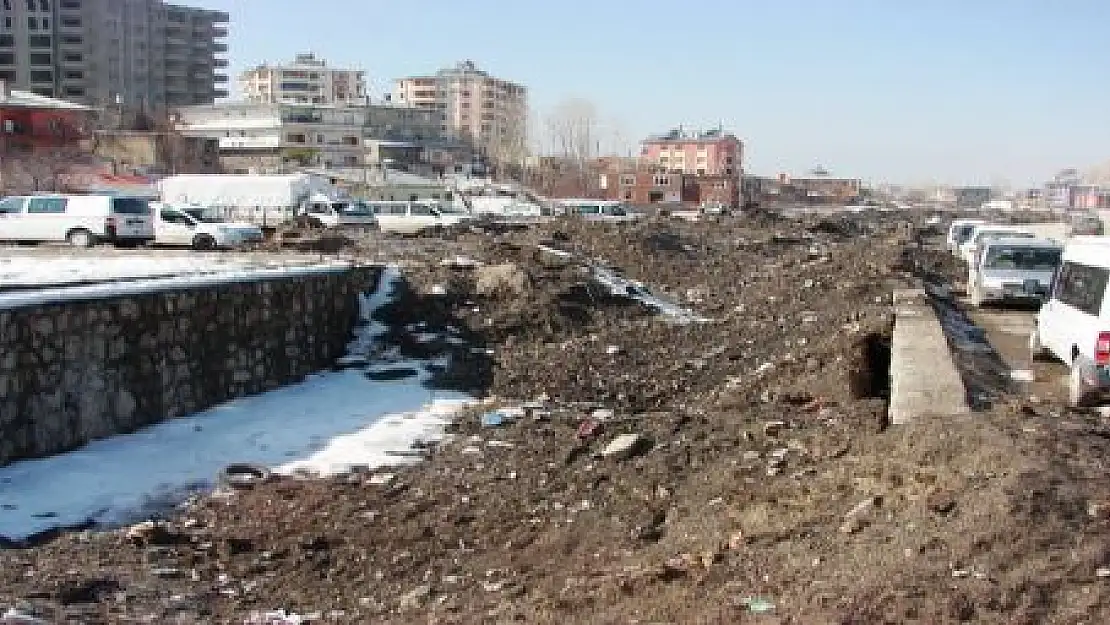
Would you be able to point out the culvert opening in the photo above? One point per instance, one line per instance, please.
(871, 369)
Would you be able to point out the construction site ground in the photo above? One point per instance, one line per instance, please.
(761, 481)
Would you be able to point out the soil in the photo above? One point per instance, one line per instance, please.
(763, 484)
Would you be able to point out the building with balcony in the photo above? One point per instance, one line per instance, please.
(131, 53)
(277, 137)
(306, 80)
(488, 112)
(710, 153)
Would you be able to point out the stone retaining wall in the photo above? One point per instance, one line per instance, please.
(75, 371)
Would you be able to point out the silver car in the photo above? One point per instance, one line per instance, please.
(1013, 269)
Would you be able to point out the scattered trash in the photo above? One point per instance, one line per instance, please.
(274, 617)
(626, 446)
(244, 475)
(758, 605)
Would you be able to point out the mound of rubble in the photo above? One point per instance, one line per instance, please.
(681, 422)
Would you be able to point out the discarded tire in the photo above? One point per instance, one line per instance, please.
(244, 475)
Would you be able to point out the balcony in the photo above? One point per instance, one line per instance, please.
(220, 93)
(220, 63)
(219, 78)
(250, 143)
(219, 31)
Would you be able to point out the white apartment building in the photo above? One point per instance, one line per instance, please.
(106, 52)
(307, 80)
(269, 137)
(475, 106)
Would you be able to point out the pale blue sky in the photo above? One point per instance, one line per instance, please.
(959, 91)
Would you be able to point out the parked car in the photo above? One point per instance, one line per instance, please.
(959, 231)
(970, 247)
(200, 228)
(415, 217)
(1013, 269)
(1073, 325)
(80, 220)
(1085, 224)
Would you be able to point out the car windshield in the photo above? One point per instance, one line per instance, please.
(1022, 257)
(963, 232)
(130, 206)
(203, 215)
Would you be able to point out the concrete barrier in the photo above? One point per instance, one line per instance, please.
(923, 377)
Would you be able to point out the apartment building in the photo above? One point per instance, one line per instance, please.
(268, 137)
(306, 80)
(709, 153)
(490, 112)
(130, 53)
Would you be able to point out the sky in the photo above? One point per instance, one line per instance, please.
(900, 91)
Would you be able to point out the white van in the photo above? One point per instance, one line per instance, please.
(80, 220)
(970, 247)
(959, 231)
(415, 217)
(1073, 325)
(1013, 269)
(200, 228)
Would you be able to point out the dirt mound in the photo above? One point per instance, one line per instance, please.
(736, 469)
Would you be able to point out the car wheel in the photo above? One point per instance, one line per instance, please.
(80, 238)
(204, 242)
(1079, 393)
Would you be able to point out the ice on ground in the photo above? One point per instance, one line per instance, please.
(325, 425)
(620, 286)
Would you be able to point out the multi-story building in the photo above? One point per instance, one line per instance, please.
(274, 137)
(709, 153)
(131, 53)
(474, 106)
(306, 80)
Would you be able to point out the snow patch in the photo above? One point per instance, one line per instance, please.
(326, 424)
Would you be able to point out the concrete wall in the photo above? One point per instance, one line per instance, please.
(75, 371)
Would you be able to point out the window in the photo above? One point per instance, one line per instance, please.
(32, 23)
(1081, 286)
(661, 181)
(73, 58)
(46, 205)
(31, 5)
(39, 41)
(11, 205)
(71, 22)
(40, 58)
(77, 92)
(72, 75)
(421, 210)
(7, 58)
(628, 180)
(130, 206)
(7, 22)
(71, 4)
(42, 76)
(44, 6)
(7, 5)
(74, 40)
(174, 217)
(7, 41)
(45, 23)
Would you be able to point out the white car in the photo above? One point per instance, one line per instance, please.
(80, 220)
(959, 231)
(1074, 322)
(1013, 269)
(970, 248)
(200, 228)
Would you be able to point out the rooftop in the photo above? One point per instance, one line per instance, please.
(679, 134)
(26, 99)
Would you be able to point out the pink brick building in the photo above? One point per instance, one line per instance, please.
(710, 153)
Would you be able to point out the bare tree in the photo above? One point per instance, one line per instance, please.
(573, 132)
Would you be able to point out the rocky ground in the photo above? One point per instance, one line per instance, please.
(736, 469)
